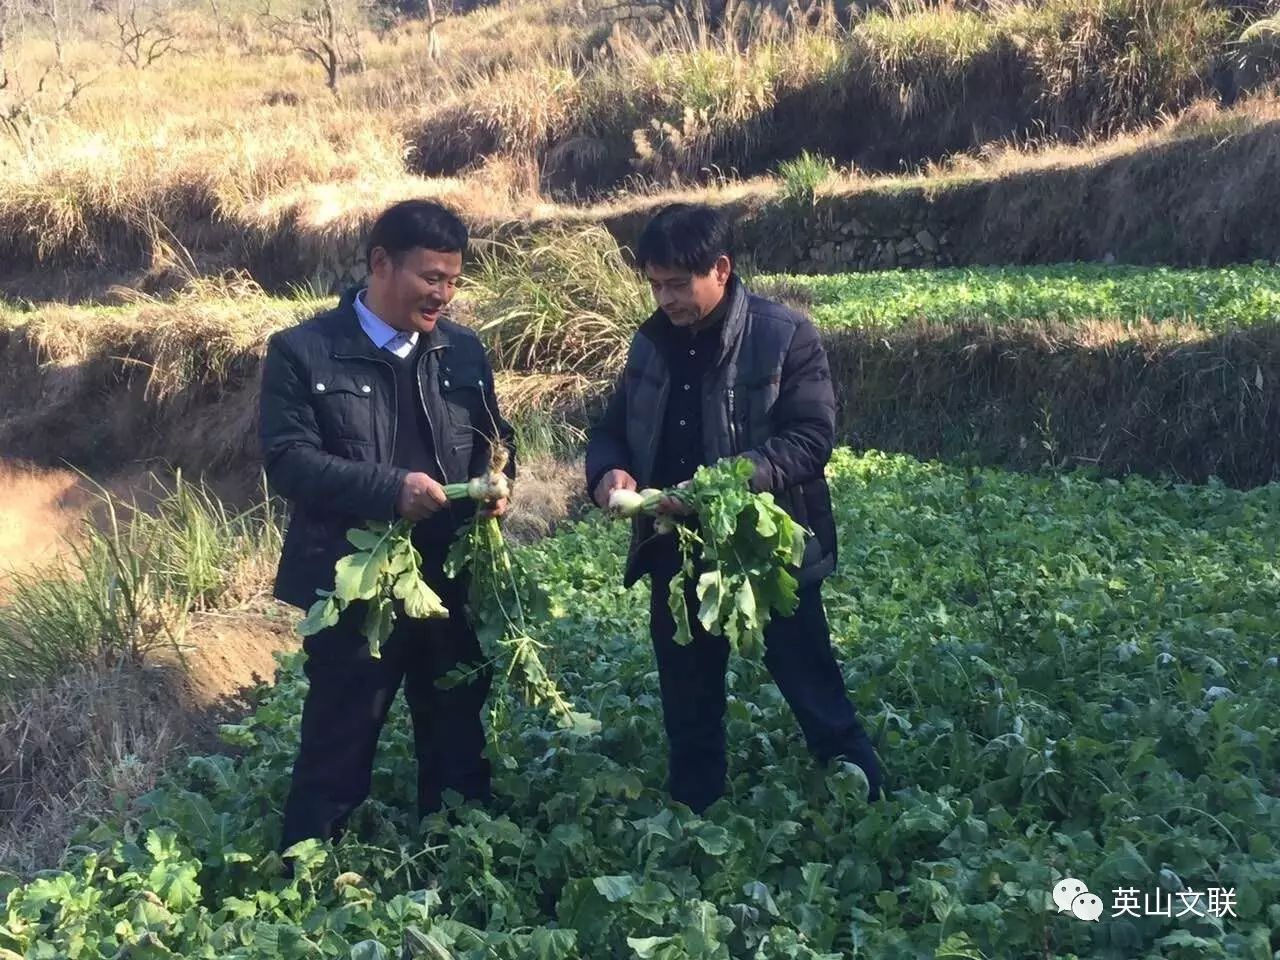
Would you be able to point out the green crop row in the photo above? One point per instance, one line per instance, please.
(1210, 299)
(1065, 678)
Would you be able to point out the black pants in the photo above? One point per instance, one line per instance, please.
(798, 655)
(347, 705)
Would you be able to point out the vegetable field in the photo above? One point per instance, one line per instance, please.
(1211, 299)
(1065, 677)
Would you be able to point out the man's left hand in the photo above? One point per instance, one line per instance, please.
(674, 507)
(494, 508)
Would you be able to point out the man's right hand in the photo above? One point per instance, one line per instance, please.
(611, 481)
(420, 497)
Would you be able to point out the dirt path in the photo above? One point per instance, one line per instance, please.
(226, 656)
(38, 509)
(79, 746)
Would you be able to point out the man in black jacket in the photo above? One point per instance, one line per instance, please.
(367, 410)
(717, 372)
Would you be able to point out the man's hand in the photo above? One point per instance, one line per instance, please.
(494, 508)
(420, 497)
(673, 507)
(611, 481)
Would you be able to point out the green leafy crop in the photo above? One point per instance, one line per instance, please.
(1064, 677)
(384, 567)
(740, 554)
(1211, 299)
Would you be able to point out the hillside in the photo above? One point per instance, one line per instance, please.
(232, 152)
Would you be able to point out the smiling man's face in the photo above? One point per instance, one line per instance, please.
(411, 291)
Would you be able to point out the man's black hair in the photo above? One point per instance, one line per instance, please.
(685, 236)
(416, 223)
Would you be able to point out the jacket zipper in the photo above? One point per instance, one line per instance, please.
(395, 418)
(422, 398)
(733, 426)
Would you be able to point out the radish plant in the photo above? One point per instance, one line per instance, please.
(386, 567)
(740, 554)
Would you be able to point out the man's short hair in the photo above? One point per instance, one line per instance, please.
(685, 236)
(416, 223)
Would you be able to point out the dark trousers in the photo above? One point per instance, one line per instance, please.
(798, 655)
(347, 704)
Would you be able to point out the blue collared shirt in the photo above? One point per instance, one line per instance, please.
(383, 335)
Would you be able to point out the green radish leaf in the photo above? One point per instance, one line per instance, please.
(420, 601)
(554, 944)
(367, 538)
(646, 948)
(378, 624)
(581, 724)
(369, 950)
(402, 560)
(710, 592)
(679, 608)
(322, 615)
(766, 524)
(615, 888)
(750, 632)
(356, 575)
(747, 542)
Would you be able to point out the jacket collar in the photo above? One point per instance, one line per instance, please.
(658, 327)
(350, 340)
(735, 319)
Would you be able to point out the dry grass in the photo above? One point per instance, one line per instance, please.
(547, 493)
(196, 338)
(190, 408)
(549, 392)
(85, 746)
(564, 301)
(238, 144)
(89, 718)
(216, 137)
(690, 104)
(1007, 158)
(79, 747)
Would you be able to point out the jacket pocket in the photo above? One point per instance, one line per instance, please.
(753, 400)
(343, 406)
(462, 392)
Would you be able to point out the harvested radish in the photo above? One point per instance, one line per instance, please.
(387, 567)
(492, 486)
(741, 552)
(628, 503)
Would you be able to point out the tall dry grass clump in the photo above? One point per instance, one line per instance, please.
(515, 113)
(920, 58)
(561, 301)
(129, 583)
(687, 102)
(76, 747)
(1104, 65)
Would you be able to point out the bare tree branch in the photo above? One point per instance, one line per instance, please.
(144, 34)
(23, 106)
(325, 32)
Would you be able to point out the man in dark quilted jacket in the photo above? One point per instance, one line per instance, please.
(717, 372)
(367, 411)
